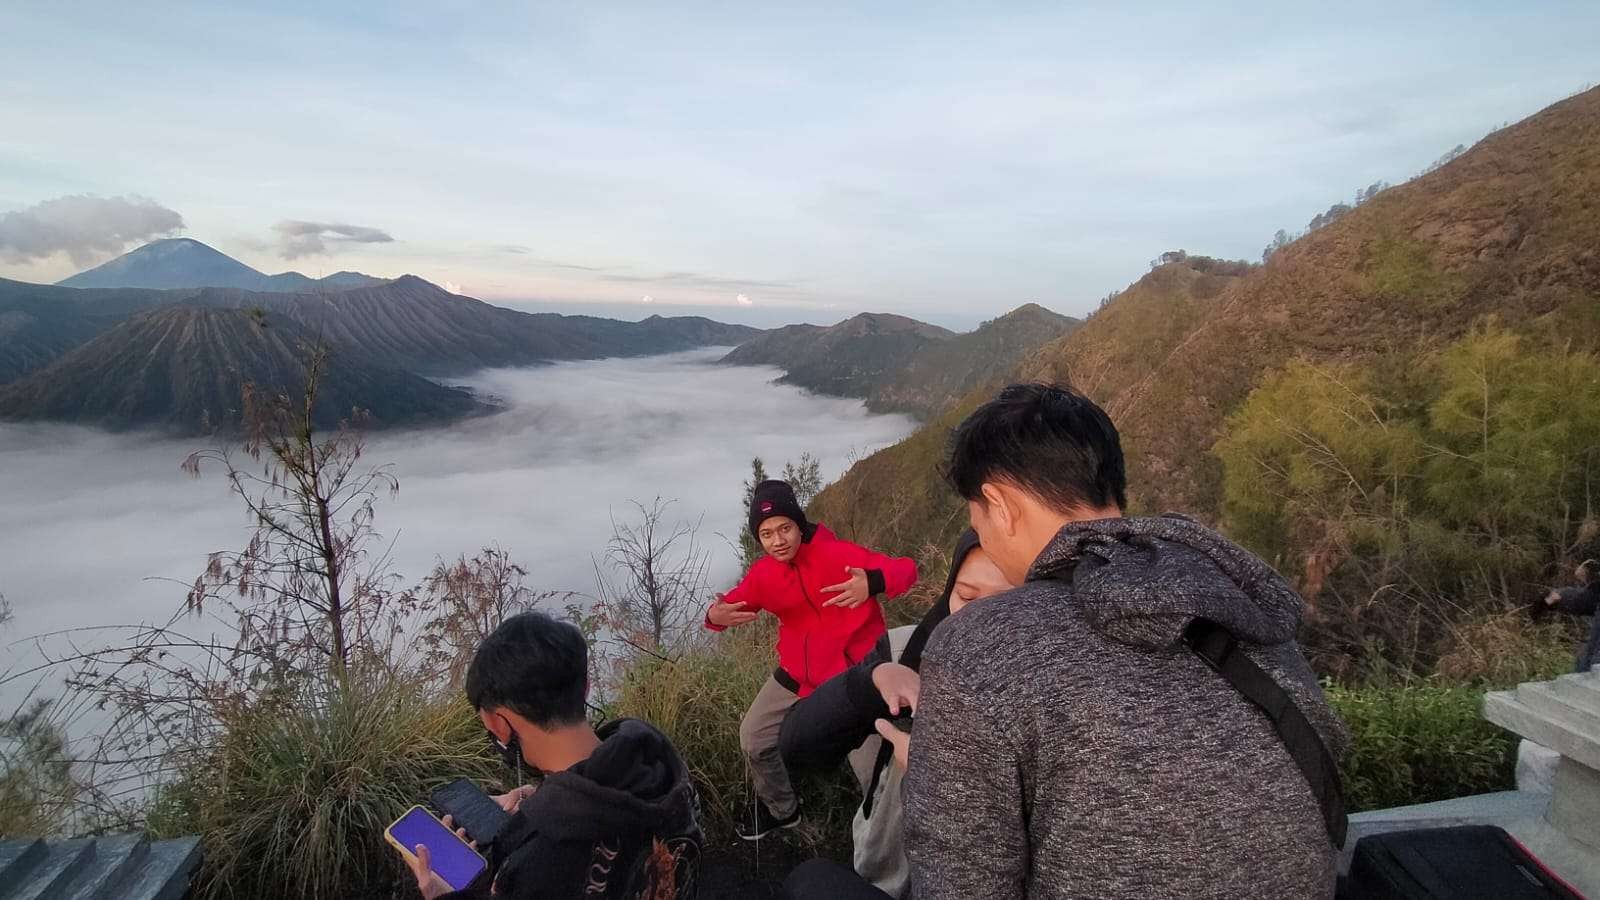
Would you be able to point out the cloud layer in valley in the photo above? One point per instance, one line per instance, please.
(100, 528)
(297, 239)
(85, 228)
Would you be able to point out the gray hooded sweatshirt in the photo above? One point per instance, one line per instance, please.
(1067, 744)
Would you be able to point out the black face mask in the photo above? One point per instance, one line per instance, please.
(510, 752)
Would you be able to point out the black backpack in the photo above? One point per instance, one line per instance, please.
(1465, 862)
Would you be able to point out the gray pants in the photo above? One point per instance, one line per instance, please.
(758, 738)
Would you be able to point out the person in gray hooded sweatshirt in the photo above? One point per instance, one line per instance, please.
(1067, 743)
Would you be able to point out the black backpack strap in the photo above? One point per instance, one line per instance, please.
(1220, 650)
(885, 754)
(785, 680)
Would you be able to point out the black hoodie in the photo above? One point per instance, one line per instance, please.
(1582, 601)
(608, 827)
(838, 716)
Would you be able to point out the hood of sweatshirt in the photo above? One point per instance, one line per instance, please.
(1139, 581)
(634, 781)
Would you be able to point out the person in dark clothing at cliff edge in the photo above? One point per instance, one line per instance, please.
(616, 815)
(1068, 743)
(1581, 600)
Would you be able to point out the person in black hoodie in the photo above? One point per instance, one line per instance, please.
(1583, 600)
(615, 816)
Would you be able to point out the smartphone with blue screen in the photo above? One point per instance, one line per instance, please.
(455, 862)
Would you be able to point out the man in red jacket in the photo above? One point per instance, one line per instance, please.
(824, 592)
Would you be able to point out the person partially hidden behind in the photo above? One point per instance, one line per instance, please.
(1581, 600)
(1536, 764)
(824, 592)
(842, 713)
(616, 814)
(1068, 741)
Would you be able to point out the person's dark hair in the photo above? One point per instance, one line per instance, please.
(534, 665)
(1046, 439)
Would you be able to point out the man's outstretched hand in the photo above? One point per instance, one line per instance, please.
(728, 614)
(851, 593)
(899, 686)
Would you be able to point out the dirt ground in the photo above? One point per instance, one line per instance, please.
(738, 870)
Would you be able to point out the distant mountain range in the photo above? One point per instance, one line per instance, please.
(898, 364)
(168, 334)
(1507, 232)
(185, 367)
(131, 356)
(187, 263)
(848, 359)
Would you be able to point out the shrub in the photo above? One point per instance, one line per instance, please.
(37, 785)
(697, 699)
(1409, 495)
(1502, 649)
(1419, 742)
(294, 799)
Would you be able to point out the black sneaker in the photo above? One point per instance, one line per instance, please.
(765, 824)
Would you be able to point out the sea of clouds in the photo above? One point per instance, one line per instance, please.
(105, 529)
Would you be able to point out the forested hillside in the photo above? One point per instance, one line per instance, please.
(1424, 425)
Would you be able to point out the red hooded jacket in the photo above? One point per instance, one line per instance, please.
(817, 642)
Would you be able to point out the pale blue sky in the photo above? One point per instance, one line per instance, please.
(940, 159)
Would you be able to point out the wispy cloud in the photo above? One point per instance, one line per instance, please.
(84, 227)
(541, 262)
(697, 280)
(557, 264)
(297, 239)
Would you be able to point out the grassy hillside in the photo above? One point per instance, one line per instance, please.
(896, 498)
(945, 372)
(1511, 229)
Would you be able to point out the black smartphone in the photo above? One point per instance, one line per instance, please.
(472, 809)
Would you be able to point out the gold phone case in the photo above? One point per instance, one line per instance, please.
(407, 852)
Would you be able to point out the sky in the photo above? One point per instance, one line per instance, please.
(801, 161)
